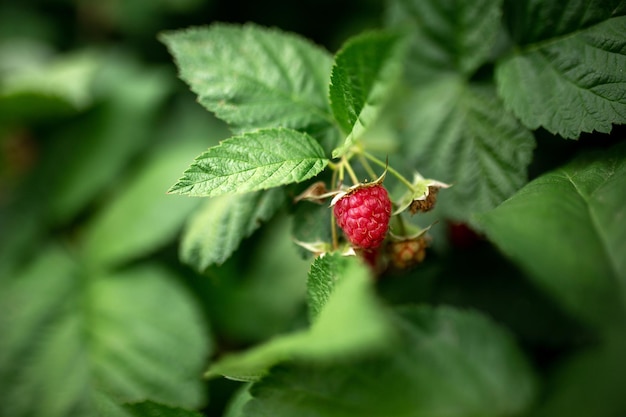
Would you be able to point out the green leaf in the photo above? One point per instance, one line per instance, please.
(571, 84)
(103, 336)
(454, 130)
(565, 229)
(89, 154)
(238, 401)
(364, 72)
(589, 383)
(477, 275)
(105, 406)
(81, 160)
(447, 36)
(219, 226)
(460, 134)
(33, 85)
(142, 217)
(351, 324)
(450, 363)
(259, 291)
(311, 225)
(253, 77)
(323, 276)
(152, 409)
(536, 20)
(253, 161)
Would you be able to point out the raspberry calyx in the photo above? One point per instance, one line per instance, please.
(363, 213)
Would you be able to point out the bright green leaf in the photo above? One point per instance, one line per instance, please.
(253, 161)
(566, 229)
(449, 363)
(447, 36)
(461, 135)
(33, 84)
(350, 324)
(323, 276)
(570, 85)
(219, 226)
(71, 339)
(253, 77)
(364, 72)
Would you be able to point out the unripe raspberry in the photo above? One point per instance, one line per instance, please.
(363, 214)
(406, 253)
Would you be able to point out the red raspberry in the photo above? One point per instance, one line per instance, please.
(363, 214)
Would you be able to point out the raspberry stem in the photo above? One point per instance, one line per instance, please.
(333, 178)
(351, 173)
(367, 167)
(401, 226)
(390, 169)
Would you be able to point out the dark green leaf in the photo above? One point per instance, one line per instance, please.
(152, 409)
(85, 338)
(452, 363)
(589, 383)
(311, 225)
(260, 290)
(460, 134)
(219, 226)
(90, 153)
(350, 324)
(253, 161)
(476, 275)
(536, 20)
(253, 77)
(570, 85)
(447, 36)
(566, 229)
(365, 70)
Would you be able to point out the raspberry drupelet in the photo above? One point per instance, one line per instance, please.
(363, 214)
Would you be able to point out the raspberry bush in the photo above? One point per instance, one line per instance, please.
(413, 209)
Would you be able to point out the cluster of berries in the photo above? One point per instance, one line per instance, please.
(364, 212)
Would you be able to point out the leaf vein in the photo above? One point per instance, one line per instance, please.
(596, 228)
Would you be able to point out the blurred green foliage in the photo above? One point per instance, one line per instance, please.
(94, 127)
